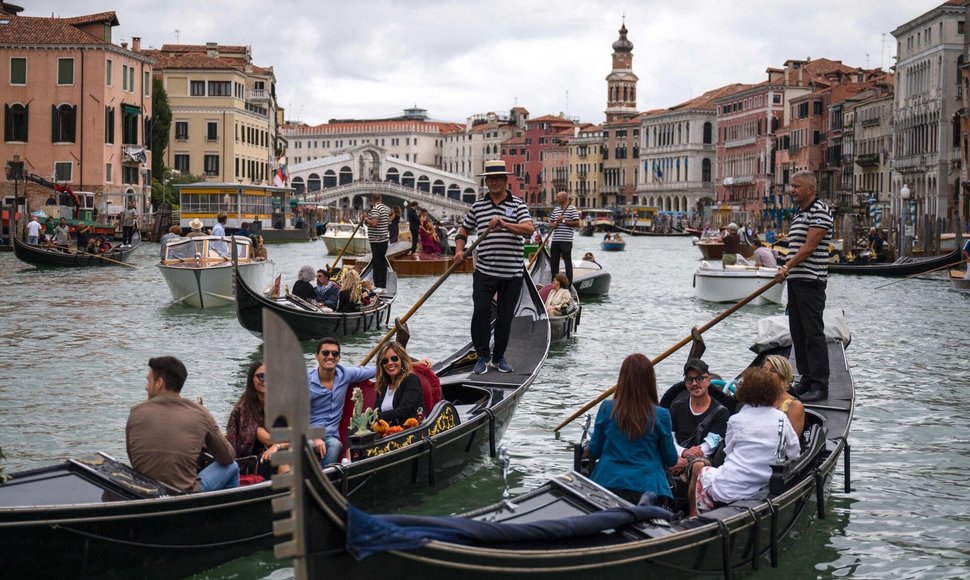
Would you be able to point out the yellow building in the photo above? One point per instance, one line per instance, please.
(586, 167)
(224, 113)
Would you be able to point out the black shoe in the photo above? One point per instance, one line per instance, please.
(815, 394)
(800, 388)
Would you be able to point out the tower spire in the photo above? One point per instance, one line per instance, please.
(621, 83)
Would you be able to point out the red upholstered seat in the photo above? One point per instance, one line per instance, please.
(369, 390)
(430, 386)
(544, 292)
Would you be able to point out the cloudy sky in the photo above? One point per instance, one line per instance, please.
(373, 58)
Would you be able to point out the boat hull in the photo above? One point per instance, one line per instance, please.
(39, 256)
(898, 269)
(958, 281)
(591, 283)
(735, 284)
(211, 287)
(613, 246)
(420, 264)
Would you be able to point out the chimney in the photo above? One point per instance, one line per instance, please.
(212, 49)
(136, 44)
(124, 45)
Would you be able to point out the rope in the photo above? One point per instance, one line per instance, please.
(164, 546)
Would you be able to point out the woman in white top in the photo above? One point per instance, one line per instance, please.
(751, 444)
(399, 391)
(557, 302)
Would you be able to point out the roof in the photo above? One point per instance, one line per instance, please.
(100, 17)
(192, 60)
(201, 48)
(33, 30)
(706, 100)
(356, 127)
(549, 119)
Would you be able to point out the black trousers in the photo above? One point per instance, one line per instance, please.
(562, 250)
(127, 232)
(415, 239)
(806, 302)
(506, 291)
(378, 257)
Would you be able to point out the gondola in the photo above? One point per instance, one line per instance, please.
(307, 321)
(96, 518)
(561, 327)
(71, 257)
(906, 266)
(610, 537)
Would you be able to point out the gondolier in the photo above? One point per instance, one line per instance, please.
(808, 239)
(498, 263)
(563, 221)
(377, 221)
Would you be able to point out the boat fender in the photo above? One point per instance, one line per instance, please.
(491, 432)
(729, 387)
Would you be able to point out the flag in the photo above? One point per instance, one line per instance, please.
(280, 178)
(660, 174)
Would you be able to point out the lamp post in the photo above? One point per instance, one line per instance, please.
(906, 229)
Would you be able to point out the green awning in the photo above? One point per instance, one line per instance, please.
(130, 109)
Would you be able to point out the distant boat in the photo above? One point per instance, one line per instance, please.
(959, 282)
(337, 235)
(70, 257)
(714, 283)
(613, 245)
(198, 270)
(906, 266)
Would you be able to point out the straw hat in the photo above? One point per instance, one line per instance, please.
(494, 167)
(196, 224)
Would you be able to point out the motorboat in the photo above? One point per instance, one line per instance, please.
(340, 235)
(959, 281)
(198, 270)
(590, 279)
(717, 283)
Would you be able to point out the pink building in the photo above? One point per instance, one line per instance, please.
(77, 108)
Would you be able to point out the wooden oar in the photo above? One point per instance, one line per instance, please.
(347, 245)
(533, 257)
(922, 273)
(422, 299)
(673, 349)
(103, 258)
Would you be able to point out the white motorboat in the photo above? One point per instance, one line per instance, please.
(715, 283)
(198, 270)
(337, 235)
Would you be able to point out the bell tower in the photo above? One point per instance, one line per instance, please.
(621, 83)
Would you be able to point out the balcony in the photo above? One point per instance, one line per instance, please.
(738, 180)
(871, 122)
(257, 95)
(740, 142)
(867, 160)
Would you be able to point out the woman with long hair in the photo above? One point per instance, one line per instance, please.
(633, 438)
(351, 290)
(399, 391)
(780, 367)
(429, 237)
(246, 430)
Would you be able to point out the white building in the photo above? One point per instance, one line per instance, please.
(465, 152)
(868, 145)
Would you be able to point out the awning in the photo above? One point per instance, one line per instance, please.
(130, 109)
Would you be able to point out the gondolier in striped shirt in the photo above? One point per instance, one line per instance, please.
(377, 221)
(563, 221)
(498, 263)
(807, 273)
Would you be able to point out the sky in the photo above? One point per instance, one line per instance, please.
(373, 58)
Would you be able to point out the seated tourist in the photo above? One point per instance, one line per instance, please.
(588, 256)
(699, 422)
(752, 442)
(429, 237)
(174, 233)
(399, 393)
(259, 249)
(166, 434)
(327, 291)
(368, 297)
(764, 258)
(246, 430)
(787, 404)
(303, 288)
(557, 302)
(349, 298)
(632, 437)
(329, 382)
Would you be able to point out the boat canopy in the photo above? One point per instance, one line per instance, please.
(206, 247)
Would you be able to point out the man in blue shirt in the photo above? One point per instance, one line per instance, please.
(326, 291)
(328, 389)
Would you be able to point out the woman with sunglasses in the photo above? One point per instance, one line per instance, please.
(399, 392)
(246, 430)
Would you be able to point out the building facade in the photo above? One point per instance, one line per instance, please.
(77, 107)
(224, 113)
(465, 152)
(586, 167)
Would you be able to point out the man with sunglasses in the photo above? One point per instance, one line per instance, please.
(329, 381)
(699, 422)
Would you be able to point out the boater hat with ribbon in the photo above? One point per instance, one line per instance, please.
(196, 224)
(494, 167)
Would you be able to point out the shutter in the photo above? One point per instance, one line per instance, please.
(74, 124)
(7, 124)
(26, 122)
(54, 129)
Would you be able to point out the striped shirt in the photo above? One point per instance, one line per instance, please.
(500, 254)
(816, 215)
(378, 233)
(563, 233)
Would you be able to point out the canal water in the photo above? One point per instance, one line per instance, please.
(74, 348)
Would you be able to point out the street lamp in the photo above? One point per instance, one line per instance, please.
(906, 228)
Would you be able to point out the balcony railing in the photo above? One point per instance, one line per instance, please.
(871, 122)
(257, 95)
(740, 142)
(867, 160)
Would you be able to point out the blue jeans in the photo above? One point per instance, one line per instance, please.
(216, 476)
(33, 240)
(334, 450)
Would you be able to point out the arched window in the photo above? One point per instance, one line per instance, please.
(313, 182)
(64, 124)
(329, 178)
(407, 179)
(393, 175)
(424, 184)
(15, 123)
(346, 175)
(708, 138)
(298, 185)
(438, 188)
(454, 192)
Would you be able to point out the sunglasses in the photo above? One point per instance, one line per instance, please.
(326, 353)
(393, 358)
(697, 379)
(260, 376)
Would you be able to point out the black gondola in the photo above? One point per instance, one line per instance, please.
(900, 268)
(96, 518)
(307, 321)
(562, 327)
(725, 540)
(71, 257)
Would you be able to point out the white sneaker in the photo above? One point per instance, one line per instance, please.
(379, 290)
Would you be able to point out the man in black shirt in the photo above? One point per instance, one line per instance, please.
(699, 422)
(414, 225)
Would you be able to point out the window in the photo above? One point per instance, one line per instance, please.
(776, 99)
(707, 133)
(63, 123)
(212, 131)
(15, 123)
(107, 173)
(109, 124)
(817, 108)
(129, 174)
(197, 88)
(211, 164)
(131, 79)
(124, 77)
(960, 25)
(65, 71)
(108, 71)
(802, 110)
(182, 162)
(147, 82)
(129, 125)
(706, 170)
(18, 71)
(220, 89)
(181, 130)
(63, 171)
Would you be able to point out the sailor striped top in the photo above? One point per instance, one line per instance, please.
(500, 254)
(563, 233)
(378, 233)
(816, 215)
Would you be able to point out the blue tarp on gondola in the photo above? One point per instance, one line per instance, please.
(368, 534)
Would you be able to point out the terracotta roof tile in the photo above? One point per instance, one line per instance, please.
(107, 17)
(192, 60)
(33, 30)
(549, 119)
(200, 48)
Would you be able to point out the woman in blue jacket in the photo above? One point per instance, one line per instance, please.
(632, 438)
